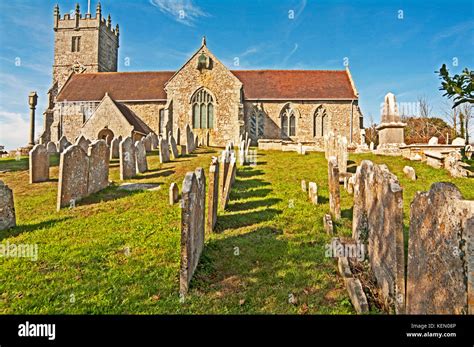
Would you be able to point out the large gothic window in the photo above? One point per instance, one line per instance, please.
(203, 110)
(257, 124)
(288, 121)
(320, 122)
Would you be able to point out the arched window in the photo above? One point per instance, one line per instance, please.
(260, 124)
(320, 122)
(288, 121)
(284, 125)
(161, 122)
(257, 124)
(324, 124)
(253, 124)
(203, 110)
(292, 125)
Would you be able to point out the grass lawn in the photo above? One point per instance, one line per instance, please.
(118, 251)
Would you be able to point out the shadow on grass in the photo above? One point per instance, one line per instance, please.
(110, 193)
(251, 205)
(220, 269)
(147, 175)
(26, 228)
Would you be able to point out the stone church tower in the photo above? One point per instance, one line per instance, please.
(82, 43)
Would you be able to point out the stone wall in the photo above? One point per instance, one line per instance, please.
(338, 113)
(221, 84)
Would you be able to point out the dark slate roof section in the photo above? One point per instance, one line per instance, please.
(133, 119)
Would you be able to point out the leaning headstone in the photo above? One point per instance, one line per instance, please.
(173, 145)
(333, 185)
(228, 183)
(115, 148)
(63, 144)
(51, 148)
(213, 195)
(378, 222)
(192, 230)
(140, 153)
(83, 142)
(7, 207)
(127, 159)
(313, 192)
(99, 156)
(410, 172)
(440, 252)
(39, 164)
(196, 141)
(164, 151)
(173, 193)
(433, 141)
(73, 176)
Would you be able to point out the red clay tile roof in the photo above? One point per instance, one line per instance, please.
(121, 86)
(295, 84)
(257, 84)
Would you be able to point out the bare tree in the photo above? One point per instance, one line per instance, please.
(466, 110)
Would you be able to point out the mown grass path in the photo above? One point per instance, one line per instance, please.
(118, 252)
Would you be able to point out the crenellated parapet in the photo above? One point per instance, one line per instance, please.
(76, 20)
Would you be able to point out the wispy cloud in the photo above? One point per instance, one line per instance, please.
(183, 11)
(14, 129)
(454, 31)
(288, 56)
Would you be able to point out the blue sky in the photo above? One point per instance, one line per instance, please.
(387, 50)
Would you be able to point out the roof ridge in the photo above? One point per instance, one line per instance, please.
(290, 70)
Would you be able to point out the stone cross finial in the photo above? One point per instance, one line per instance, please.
(204, 40)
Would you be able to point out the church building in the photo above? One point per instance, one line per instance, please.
(90, 97)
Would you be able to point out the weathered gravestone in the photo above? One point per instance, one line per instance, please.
(51, 148)
(99, 156)
(73, 176)
(128, 166)
(201, 180)
(83, 143)
(242, 159)
(147, 142)
(173, 193)
(39, 164)
(313, 192)
(378, 222)
(140, 154)
(225, 160)
(433, 141)
(183, 150)
(440, 252)
(164, 151)
(192, 229)
(342, 154)
(189, 140)
(7, 207)
(333, 185)
(173, 145)
(63, 144)
(196, 141)
(154, 140)
(213, 194)
(410, 172)
(115, 148)
(303, 185)
(229, 180)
